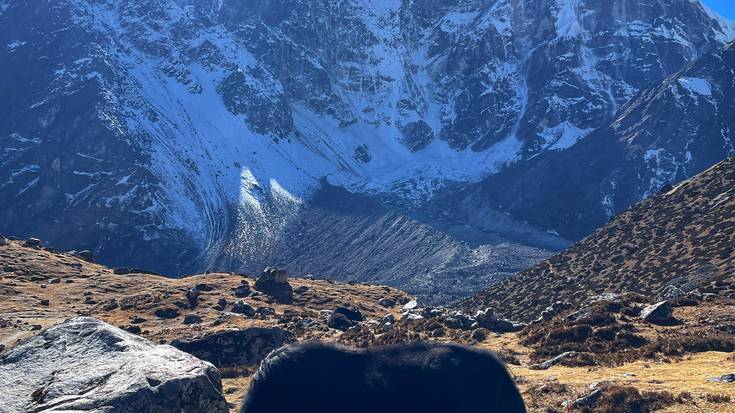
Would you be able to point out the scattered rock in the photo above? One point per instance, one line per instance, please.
(460, 321)
(219, 320)
(85, 255)
(45, 302)
(192, 296)
(432, 312)
(167, 313)
(725, 378)
(387, 302)
(103, 368)
(388, 318)
(3, 241)
(352, 314)
(486, 319)
(387, 322)
(204, 287)
(221, 304)
(660, 314)
(301, 289)
(133, 329)
(554, 361)
(503, 326)
(142, 271)
(588, 400)
(54, 281)
(274, 283)
(137, 320)
(554, 309)
(339, 321)
(410, 306)
(192, 319)
(243, 308)
(32, 243)
(265, 312)
(243, 290)
(121, 271)
(480, 334)
(110, 305)
(235, 347)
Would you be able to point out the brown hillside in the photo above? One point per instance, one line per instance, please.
(651, 365)
(683, 235)
(40, 288)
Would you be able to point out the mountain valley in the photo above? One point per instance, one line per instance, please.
(193, 135)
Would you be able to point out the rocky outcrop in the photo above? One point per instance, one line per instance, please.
(85, 365)
(273, 282)
(234, 347)
(661, 313)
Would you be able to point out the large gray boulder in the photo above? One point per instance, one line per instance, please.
(661, 313)
(274, 283)
(231, 348)
(85, 365)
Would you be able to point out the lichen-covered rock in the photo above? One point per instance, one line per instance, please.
(85, 365)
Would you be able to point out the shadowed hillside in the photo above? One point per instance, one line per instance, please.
(683, 235)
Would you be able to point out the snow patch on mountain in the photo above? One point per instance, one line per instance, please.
(564, 136)
(665, 167)
(696, 86)
(567, 18)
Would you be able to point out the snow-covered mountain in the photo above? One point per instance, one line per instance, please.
(670, 131)
(184, 134)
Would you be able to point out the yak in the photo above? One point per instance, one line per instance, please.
(409, 378)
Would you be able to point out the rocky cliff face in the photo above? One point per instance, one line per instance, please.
(177, 135)
(667, 133)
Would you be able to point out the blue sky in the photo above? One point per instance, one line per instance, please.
(724, 7)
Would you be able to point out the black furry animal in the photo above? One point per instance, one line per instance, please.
(414, 378)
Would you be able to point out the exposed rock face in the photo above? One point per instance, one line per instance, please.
(85, 365)
(234, 347)
(669, 132)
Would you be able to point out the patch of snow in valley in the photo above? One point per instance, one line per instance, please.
(453, 21)
(696, 86)
(15, 44)
(564, 135)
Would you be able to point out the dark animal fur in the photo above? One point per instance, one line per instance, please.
(415, 378)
